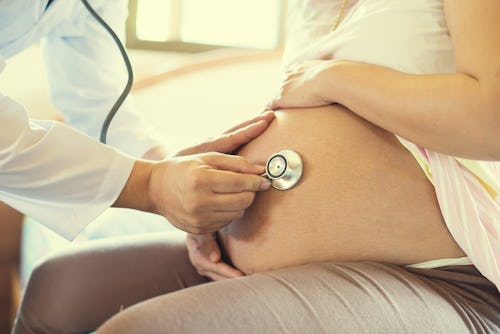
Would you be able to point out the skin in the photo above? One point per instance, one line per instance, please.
(202, 192)
(362, 197)
(456, 114)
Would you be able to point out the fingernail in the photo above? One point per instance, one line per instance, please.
(213, 256)
(259, 169)
(264, 185)
(269, 111)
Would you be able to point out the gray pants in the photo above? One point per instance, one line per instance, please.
(147, 285)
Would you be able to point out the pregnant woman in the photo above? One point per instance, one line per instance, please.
(389, 103)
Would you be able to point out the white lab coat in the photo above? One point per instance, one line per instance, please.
(49, 171)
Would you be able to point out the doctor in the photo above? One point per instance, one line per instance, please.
(64, 178)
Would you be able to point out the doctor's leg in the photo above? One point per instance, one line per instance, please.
(77, 290)
(324, 298)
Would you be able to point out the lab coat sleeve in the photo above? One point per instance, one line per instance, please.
(87, 74)
(51, 172)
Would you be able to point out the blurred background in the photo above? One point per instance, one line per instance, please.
(200, 67)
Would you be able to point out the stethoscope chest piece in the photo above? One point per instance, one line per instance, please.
(284, 169)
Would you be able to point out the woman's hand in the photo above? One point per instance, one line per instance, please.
(304, 86)
(205, 255)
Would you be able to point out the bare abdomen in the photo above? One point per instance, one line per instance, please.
(362, 197)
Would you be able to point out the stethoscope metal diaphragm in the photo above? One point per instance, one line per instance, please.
(284, 169)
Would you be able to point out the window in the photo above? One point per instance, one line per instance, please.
(198, 25)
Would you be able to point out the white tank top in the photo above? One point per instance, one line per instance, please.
(409, 36)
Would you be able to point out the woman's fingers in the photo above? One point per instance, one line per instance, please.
(204, 254)
(220, 270)
(204, 246)
(302, 86)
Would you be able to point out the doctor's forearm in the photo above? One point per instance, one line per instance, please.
(454, 114)
(136, 193)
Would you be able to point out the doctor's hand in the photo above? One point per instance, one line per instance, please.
(205, 255)
(202, 193)
(228, 142)
(235, 137)
(305, 85)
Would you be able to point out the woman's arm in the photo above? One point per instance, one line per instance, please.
(457, 114)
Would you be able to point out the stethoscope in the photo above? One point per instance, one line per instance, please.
(284, 169)
(114, 109)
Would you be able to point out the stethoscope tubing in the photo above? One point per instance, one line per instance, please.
(130, 80)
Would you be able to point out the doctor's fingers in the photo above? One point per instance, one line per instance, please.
(214, 210)
(220, 181)
(234, 202)
(234, 137)
(266, 116)
(231, 141)
(233, 163)
(211, 221)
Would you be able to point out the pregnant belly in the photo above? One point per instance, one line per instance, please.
(362, 197)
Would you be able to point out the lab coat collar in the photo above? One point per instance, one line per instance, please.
(25, 22)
